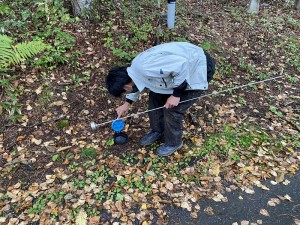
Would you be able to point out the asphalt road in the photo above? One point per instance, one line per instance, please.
(246, 207)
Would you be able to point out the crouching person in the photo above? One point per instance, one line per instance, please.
(174, 73)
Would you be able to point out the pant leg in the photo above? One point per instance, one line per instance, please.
(157, 116)
(173, 118)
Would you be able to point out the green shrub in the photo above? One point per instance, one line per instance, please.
(88, 152)
(12, 54)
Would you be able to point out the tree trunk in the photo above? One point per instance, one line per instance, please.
(80, 6)
(297, 5)
(253, 6)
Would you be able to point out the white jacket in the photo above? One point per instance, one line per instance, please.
(166, 66)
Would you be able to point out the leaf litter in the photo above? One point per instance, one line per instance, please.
(244, 137)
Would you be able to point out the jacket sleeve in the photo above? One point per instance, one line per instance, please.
(133, 97)
(178, 91)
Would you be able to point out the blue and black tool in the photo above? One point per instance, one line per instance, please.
(119, 137)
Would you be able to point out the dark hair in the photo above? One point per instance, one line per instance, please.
(116, 79)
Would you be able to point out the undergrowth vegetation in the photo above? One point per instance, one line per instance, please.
(42, 24)
(53, 167)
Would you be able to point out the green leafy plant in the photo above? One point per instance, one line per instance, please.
(274, 110)
(110, 142)
(47, 21)
(116, 194)
(88, 153)
(235, 156)
(38, 206)
(87, 164)
(12, 54)
(55, 157)
(15, 54)
(292, 79)
(224, 68)
(63, 123)
(73, 167)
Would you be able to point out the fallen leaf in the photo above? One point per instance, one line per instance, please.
(81, 218)
(249, 191)
(194, 215)
(36, 141)
(63, 148)
(39, 90)
(186, 205)
(273, 202)
(283, 198)
(279, 178)
(216, 170)
(144, 206)
(218, 198)
(28, 108)
(169, 186)
(273, 182)
(245, 222)
(5, 155)
(297, 221)
(286, 182)
(209, 211)
(264, 212)
(58, 103)
(287, 197)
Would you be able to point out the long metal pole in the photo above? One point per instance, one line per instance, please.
(95, 125)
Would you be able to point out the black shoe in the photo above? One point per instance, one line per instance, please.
(166, 150)
(151, 138)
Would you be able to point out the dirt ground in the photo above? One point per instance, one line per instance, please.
(247, 49)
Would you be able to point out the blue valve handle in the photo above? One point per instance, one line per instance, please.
(118, 125)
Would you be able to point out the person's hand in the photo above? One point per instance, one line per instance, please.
(123, 109)
(172, 101)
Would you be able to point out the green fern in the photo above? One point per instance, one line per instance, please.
(14, 54)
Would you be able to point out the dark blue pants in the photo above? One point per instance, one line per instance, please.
(170, 121)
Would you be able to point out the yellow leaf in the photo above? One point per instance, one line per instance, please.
(144, 206)
(216, 170)
(81, 218)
